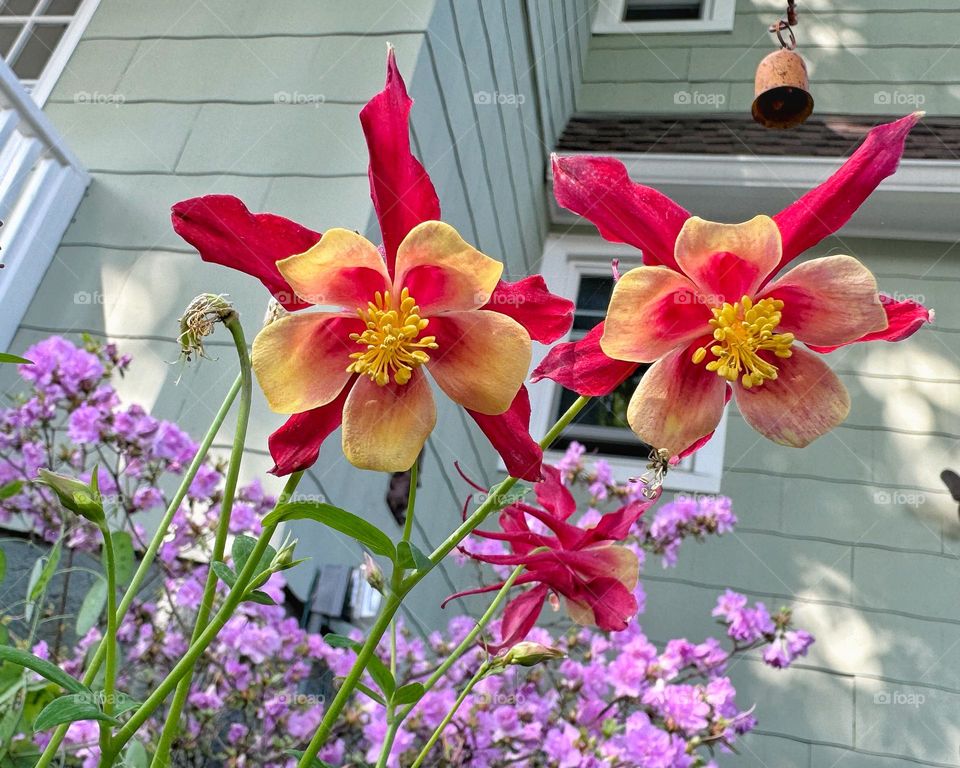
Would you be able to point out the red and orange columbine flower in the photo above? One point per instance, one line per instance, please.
(424, 301)
(594, 575)
(708, 312)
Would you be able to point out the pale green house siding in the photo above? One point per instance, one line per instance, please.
(864, 56)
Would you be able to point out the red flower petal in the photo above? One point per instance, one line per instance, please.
(553, 495)
(546, 316)
(225, 232)
(599, 189)
(612, 604)
(519, 617)
(826, 208)
(509, 434)
(402, 192)
(296, 445)
(582, 367)
(904, 319)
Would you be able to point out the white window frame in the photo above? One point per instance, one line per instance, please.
(565, 259)
(76, 24)
(717, 16)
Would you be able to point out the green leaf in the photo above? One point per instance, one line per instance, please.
(368, 691)
(122, 702)
(259, 597)
(40, 576)
(6, 357)
(242, 549)
(347, 523)
(224, 573)
(408, 694)
(43, 668)
(91, 609)
(378, 670)
(124, 556)
(135, 755)
(11, 489)
(70, 709)
(76, 496)
(408, 556)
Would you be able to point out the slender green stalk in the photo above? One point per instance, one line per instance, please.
(435, 736)
(210, 632)
(411, 500)
(396, 579)
(143, 570)
(471, 637)
(110, 675)
(495, 501)
(171, 726)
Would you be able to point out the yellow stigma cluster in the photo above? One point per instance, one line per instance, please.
(743, 329)
(391, 342)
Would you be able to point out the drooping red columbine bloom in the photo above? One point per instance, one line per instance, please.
(586, 567)
(707, 307)
(225, 232)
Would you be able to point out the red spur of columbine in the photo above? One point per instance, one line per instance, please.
(423, 301)
(595, 576)
(709, 312)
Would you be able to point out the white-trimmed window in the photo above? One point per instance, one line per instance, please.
(578, 266)
(652, 16)
(37, 38)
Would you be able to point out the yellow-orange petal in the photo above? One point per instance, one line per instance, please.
(652, 310)
(676, 403)
(728, 261)
(828, 301)
(805, 401)
(344, 269)
(384, 428)
(481, 360)
(442, 271)
(301, 360)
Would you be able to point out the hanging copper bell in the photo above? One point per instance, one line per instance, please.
(782, 92)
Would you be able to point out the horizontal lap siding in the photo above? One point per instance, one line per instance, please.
(863, 57)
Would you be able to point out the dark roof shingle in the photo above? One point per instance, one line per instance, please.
(935, 138)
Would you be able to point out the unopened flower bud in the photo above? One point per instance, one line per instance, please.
(76, 496)
(372, 573)
(530, 654)
(198, 321)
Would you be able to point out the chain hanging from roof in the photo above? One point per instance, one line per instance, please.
(782, 88)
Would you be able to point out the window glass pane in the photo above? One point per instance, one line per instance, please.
(17, 7)
(38, 50)
(62, 8)
(602, 425)
(8, 36)
(651, 10)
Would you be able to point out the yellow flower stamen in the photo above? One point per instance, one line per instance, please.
(392, 339)
(743, 329)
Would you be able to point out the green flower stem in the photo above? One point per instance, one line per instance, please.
(471, 637)
(396, 579)
(435, 736)
(171, 726)
(411, 500)
(143, 570)
(494, 502)
(210, 632)
(110, 675)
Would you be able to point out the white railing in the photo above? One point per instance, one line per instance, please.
(41, 185)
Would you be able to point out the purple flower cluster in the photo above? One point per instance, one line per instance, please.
(247, 697)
